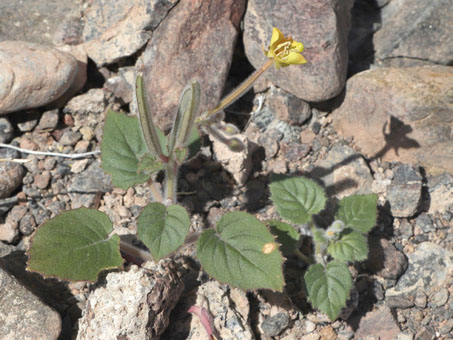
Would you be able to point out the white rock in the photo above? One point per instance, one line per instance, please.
(32, 75)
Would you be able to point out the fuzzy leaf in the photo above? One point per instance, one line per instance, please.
(297, 198)
(358, 212)
(287, 236)
(352, 246)
(328, 287)
(162, 229)
(122, 149)
(241, 252)
(149, 165)
(75, 246)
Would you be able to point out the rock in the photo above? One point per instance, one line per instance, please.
(113, 30)
(429, 267)
(122, 85)
(404, 193)
(275, 324)
(239, 164)
(6, 204)
(344, 172)
(425, 223)
(9, 231)
(23, 315)
(378, 323)
(90, 181)
(411, 31)
(439, 298)
(93, 101)
(42, 19)
(41, 180)
(324, 75)
(48, 120)
(11, 175)
(53, 73)
(440, 189)
(70, 138)
(6, 131)
(407, 113)
(229, 312)
(288, 107)
(134, 305)
(202, 36)
(386, 261)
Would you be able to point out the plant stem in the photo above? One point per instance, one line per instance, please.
(155, 192)
(241, 89)
(135, 252)
(171, 178)
(304, 258)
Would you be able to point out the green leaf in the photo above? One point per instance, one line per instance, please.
(358, 212)
(122, 149)
(328, 287)
(287, 236)
(297, 198)
(193, 142)
(352, 246)
(149, 165)
(162, 229)
(242, 253)
(75, 246)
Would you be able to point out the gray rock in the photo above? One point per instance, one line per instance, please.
(288, 107)
(411, 32)
(202, 36)
(23, 315)
(440, 189)
(92, 180)
(406, 230)
(53, 73)
(6, 130)
(404, 193)
(28, 120)
(122, 85)
(407, 112)
(113, 30)
(324, 75)
(11, 175)
(43, 19)
(70, 138)
(429, 267)
(425, 223)
(93, 101)
(275, 324)
(6, 204)
(344, 172)
(48, 120)
(135, 304)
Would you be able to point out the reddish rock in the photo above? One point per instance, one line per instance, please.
(321, 25)
(401, 114)
(386, 261)
(33, 75)
(378, 323)
(195, 41)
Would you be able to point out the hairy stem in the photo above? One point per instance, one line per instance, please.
(304, 258)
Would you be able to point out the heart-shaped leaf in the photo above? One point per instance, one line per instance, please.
(358, 212)
(287, 236)
(351, 246)
(297, 198)
(122, 149)
(75, 246)
(162, 229)
(242, 253)
(328, 287)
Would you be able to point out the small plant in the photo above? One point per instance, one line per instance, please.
(241, 251)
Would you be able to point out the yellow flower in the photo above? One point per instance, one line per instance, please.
(284, 50)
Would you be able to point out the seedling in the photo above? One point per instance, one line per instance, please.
(241, 251)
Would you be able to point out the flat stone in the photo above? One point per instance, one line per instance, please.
(379, 323)
(275, 324)
(23, 315)
(344, 172)
(407, 112)
(411, 31)
(324, 75)
(202, 36)
(32, 75)
(404, 193)
(90, 181)
(48, 120)
(135, 304)
(93, 101)
(117, 29)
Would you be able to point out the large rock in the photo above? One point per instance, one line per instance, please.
(196, 40)
(116, 29)
(415, 32)
(23, 315)
(33, 75)
(401, 115)
(321, 25)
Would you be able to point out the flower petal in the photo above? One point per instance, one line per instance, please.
(277, 35)
(295, 58)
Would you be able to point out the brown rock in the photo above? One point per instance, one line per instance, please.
(11, 175)
(196, 40)
(324, 75)
(379, 323)
(386, 261)
(41, 180)
(32, 75)
(401, 115)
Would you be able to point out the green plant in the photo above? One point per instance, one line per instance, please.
(241, 251)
